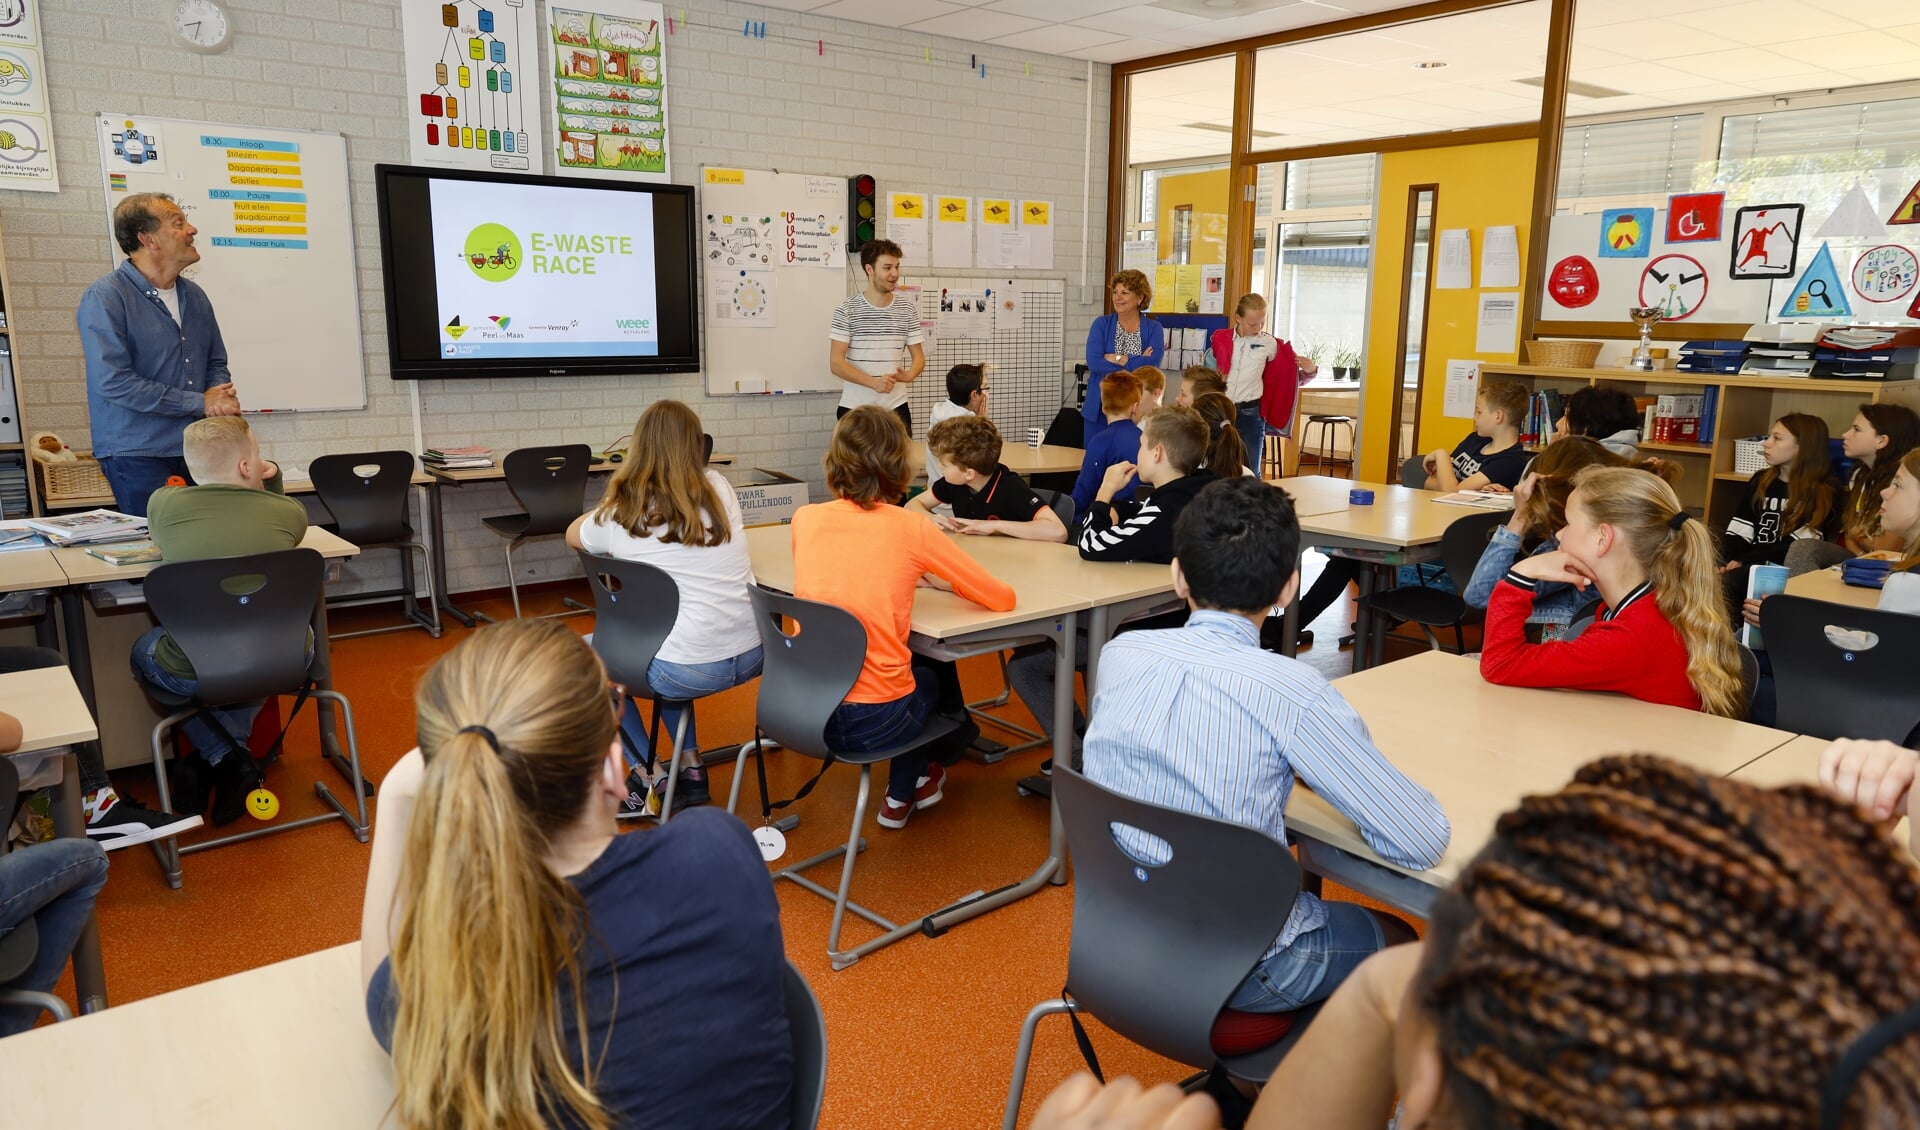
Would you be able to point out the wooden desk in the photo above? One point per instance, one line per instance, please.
(1023, 459)
(294, 1050)
(1825, 584)
(1798, 763)
(24, 569)
(52, 714)
(1480, 748)
(1318, 494)
(83, 568)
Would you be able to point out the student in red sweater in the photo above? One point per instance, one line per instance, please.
(868, 556)
(1262, 372)
(1661, 635)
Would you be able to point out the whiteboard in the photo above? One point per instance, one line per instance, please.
(276, 248)
(774, 264)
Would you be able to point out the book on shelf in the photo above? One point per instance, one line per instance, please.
(89, 527)
(126, 553)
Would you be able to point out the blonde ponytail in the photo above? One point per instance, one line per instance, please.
(514, 725)
(1682, 566)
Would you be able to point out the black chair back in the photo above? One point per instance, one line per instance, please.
(1158, 950)
(551, 483)
(706, 448)
(1413, 472)
(635, 606)
(1060, 502)
(368, 509)
(808, 1026)
(1843, 672)
(1749, 670)
(1069, 429)
(9, 799)
(808, 672)
(242, 621)
(1464, 541)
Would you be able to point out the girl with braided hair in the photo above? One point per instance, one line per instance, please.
(1649, 947)
(1663, 635)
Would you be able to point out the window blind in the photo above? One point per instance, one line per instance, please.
(1650, 156)
(1330, 182)
(1891, 128)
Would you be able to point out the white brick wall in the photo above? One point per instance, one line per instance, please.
(871, 104)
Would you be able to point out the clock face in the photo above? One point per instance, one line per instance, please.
(201, 25)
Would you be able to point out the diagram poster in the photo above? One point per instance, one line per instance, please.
(26, 130)
(608, 94)
(469, 105)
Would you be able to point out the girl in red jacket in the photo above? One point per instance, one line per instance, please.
(1660, 636)
(1262, 373)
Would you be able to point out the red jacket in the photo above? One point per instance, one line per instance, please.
(1280, 382)
(1631, 650)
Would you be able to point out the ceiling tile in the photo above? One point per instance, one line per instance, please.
(1059, 10)
(1056, 40)
(1145, 20)
(796, 5)
(976, 24)
(1860, 48)
(1123, 50)
(1760, 23)
(886, 13)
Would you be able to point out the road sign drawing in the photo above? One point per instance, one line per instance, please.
(1694, 217)
(1626, 233)
(1766, 241)
(1676, 284)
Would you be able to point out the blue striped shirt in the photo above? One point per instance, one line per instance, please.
(1201, 720)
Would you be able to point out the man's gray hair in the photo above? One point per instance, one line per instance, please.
(134, 217)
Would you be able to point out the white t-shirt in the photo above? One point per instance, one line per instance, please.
(1248, 366)
(170, 298)
(944, 410)
(1901, 593)
(877, 338)
(716, 617)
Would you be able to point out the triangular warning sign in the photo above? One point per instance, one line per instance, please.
(1818, 294)
(1909, 210)
(1913, 311)
(1855, 217)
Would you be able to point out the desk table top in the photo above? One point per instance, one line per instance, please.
(48, 704)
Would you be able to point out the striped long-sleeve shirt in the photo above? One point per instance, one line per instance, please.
(1200, 719)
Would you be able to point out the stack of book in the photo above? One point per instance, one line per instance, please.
(94, 527)
(1682, 418)
(457, 458)
(1543, 413)
(1714, 356)
(1856, 353)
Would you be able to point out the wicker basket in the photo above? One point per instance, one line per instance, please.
(60, 482)
(1563, 354)
(1749, 455)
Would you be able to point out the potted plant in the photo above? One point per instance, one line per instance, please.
(1344, 359)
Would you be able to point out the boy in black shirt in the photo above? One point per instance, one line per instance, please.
(1492, 457)
(986, 497)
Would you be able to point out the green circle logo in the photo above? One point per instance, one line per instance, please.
(493, 252)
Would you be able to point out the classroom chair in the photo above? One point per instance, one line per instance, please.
(807, 674)
(243, 624)
(1158, 950)
(367, 495)
(808, 1026)
(20, 945)
(1843, 672)
(1413, 472)
(635, 606)
(551, 482)
(1430, 608)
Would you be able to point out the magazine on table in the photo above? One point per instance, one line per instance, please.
(89, 527)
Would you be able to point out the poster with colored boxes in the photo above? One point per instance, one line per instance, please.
(608, 95)
(26, 131)
(469, 106)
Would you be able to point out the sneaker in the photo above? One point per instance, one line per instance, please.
(640, 801)
(1046, 767)
(234, 778)
(1304, 640)
(125, 824)
(692, 789)
(894, 813)
(927, 792)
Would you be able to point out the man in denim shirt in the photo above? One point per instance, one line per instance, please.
(155, 361)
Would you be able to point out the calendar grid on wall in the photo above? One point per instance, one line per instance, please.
(1025, 379)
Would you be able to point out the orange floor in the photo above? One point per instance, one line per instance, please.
(920, 1034)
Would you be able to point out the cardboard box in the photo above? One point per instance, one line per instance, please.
(768, 498)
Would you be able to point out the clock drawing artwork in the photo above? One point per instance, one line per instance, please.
(1675, 284)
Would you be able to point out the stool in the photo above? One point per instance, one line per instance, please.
(1273, 460)
(1323, 448)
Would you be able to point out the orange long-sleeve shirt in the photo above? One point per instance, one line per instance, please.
(868, 562)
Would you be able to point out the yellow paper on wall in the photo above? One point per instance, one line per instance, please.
(1186, 289)
(996, 211)
(1036, 213)
(1164, 285)
(909, 206)
(951, 209)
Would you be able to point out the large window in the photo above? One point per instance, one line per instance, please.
(1311, 253)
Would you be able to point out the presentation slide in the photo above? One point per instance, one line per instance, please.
(543, 271)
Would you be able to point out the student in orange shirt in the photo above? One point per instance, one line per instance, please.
(868, 556)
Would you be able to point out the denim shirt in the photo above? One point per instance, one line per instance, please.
(146, 375)
(1554, 602)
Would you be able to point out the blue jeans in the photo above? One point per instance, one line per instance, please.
(134, 478)
(1313, 966)
(861, 727)
(686, 682)
(1253, 433)
(53, 883)
(215, 738)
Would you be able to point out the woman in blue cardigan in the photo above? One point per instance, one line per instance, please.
(1124, 339)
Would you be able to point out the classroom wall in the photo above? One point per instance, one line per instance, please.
(1206, 193)
(1479, 185)
(871, 103)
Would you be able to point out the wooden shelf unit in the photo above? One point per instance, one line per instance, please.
(1747, 407)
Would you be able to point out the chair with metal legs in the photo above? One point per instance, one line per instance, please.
(551, 482)
(806, 675)
(243, 623)
(367, 495)
(635, 606)
(20, 945)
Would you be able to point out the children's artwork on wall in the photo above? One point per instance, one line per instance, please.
(1626, 233)
(1766, 241)
(1694, 217)
(1818, 294)
(1885, 274)
(1854, 218)
(1676, 284)
(1909, 210)
(1573, 282)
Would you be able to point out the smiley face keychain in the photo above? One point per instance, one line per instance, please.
(262, 804)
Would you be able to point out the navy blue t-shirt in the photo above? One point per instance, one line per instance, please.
(683, 962)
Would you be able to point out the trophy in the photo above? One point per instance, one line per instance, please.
(1644, 317)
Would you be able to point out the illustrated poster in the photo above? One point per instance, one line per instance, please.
(607, 100)
(26, 129)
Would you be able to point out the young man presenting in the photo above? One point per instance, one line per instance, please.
(870, 331)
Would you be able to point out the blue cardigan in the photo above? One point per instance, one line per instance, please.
(1153, 340)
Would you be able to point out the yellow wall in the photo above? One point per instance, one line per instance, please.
(1207, 193)
(1480, 185)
